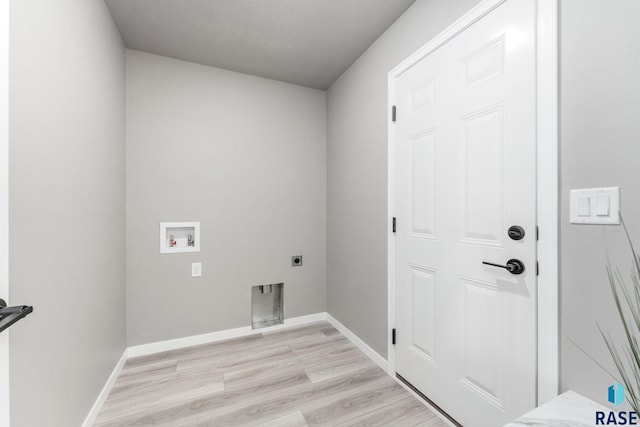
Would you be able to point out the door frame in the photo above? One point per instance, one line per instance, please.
(4, 205)
(547, 147)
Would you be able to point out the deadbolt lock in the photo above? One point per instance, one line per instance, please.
(516, 232)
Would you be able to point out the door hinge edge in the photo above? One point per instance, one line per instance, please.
(393, 113)
(393, 336)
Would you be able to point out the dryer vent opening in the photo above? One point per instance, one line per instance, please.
(267, 307)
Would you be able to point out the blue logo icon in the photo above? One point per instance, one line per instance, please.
(616, 394)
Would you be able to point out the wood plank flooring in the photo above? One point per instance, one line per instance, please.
(303, 376)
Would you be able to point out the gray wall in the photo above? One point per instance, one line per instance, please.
(66, 207)
(600, 140)
(357, 171)
(246, 157)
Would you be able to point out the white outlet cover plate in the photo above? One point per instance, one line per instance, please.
(196, 269)
(586, 206)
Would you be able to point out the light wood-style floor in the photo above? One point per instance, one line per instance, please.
(309, 375)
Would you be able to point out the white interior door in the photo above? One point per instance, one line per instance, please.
(4, 205)
(466, 172)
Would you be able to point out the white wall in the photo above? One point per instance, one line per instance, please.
(600, 141)
(357, 171)
(246, 157)
(66, 207)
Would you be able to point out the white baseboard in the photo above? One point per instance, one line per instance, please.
(102, 397)
(371, 353)
(160, 346)
(297, 321)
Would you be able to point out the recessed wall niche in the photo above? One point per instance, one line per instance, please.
(176, 237)
(267, 305)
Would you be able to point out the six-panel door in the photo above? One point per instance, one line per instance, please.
(465, 172)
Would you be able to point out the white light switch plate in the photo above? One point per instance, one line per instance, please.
(595, 206)
(196, 269)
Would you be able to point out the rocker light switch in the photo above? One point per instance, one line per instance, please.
(602, 205)
(584, 206)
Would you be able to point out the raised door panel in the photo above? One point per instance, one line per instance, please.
(482, 177)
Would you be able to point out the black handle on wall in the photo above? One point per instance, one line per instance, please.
(10, 315)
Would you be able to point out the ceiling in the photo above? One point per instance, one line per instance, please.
(305, 42)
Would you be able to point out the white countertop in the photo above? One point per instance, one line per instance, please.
(570, 409)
